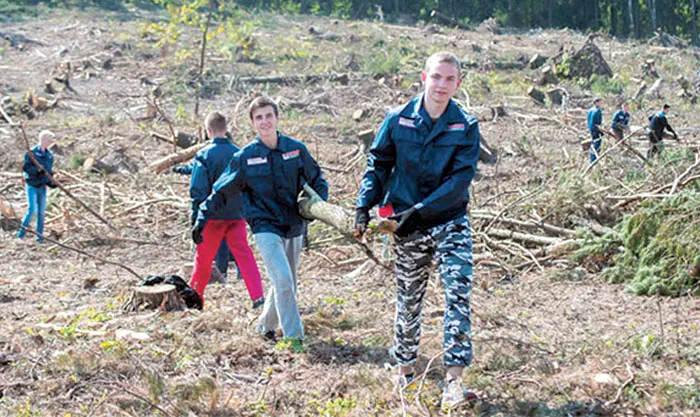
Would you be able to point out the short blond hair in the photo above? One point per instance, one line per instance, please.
(46, 134)
(440, 57)
(216, 122)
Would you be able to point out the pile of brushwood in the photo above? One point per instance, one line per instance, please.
(656, 248)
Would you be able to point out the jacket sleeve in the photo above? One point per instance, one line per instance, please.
(668, 126)
(597, 120)
(616, 119)
(200, 187)
(185, 169)
(456, 182)
(313, 174)
(380, 163)
(230, 183)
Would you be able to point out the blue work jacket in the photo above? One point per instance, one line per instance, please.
(415, 162)
(209, 164)
(270, 181)
(620, 120)
(595, 118)
(31, 171)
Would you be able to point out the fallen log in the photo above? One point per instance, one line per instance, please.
(549, 228)
(312, 206)
(523, 237)
(176, 158)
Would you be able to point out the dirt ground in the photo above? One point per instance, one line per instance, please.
(550, 340)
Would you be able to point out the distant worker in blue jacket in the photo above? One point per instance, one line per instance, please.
(421, 164)
(228, 223)
(595, 119)
(223, 255)
(36, 182)
(658, 122)
(270, 173)
(621, 121)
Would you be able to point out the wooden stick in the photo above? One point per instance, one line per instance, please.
(7, 116)
(58, 184)
(620, 142)
(657, 193)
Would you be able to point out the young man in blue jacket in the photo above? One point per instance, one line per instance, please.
(270, 173)
(420, 166)
(595, 119)
(36, 182)
(658, 122)
(228, 222)
(223, 255)
(621, 121)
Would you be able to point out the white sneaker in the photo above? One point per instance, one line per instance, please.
(455, 394)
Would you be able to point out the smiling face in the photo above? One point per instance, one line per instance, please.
(264, 121)
(441, 80)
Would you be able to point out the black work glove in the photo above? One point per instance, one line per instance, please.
(361, 221)
(408, 221)
(197, 230)
(51, 184)
(40, 171)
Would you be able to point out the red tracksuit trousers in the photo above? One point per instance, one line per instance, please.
(234, 232)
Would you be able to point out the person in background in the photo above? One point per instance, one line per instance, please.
(595, 119)
(658, 122)
(223, 255)
(36, 182)
(228, 223)
(620, 121)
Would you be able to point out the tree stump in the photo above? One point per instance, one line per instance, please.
(536, 94)
(161, 296)
(556, 96)
(366, 138)
(548, 76)
(536, 61)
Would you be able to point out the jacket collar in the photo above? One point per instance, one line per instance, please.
(284, 144)
(415, 110)
(221, 140)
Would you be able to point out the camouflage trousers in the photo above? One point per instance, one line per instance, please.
(451, 245)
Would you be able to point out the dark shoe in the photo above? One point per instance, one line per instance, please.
(269, 336)
(258, 302)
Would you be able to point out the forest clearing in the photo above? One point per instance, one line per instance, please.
(587, 276)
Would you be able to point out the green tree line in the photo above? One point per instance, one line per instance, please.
(622, 18)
